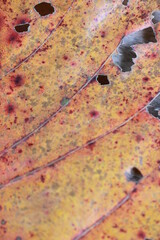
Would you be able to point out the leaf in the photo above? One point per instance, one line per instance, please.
(77, 133)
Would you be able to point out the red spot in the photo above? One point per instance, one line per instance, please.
(20, 151)
(94, 113)
(9, 108)
(26, 120)
(145, 79)
(122, 230)
(103, 34)
(141, 234)
(139, 138)
(30, 144)
(42, 178)
(91, 145)
(65, 57)
(0, 208)
(70, 111)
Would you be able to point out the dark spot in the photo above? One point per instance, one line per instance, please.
(94, 113)
(65, 57)
(0, 208)
(91, 145)
(124, 59)
(154, 107)
(44, 8)
(103, 34)
(145, 79)
(13, 37)
(156, 16)
(22, 27)
(102, 79)
(125, 2)
(42, 178)
(17, 80)
(134, 175)
(3, 222)
(10, 108)
(26, 120)
(141, 234)
(18, 238)
(64, 101)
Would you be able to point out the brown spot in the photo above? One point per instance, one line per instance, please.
(141, 234)
(94, 114)
(9, 108)
(139, 138)
(42, 178)
(65, 57)
(125, 2)
(103, 34)
(17, 81)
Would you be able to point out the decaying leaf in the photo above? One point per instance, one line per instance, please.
(79, 124)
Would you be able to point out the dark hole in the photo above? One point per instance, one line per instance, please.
(154, 107)
(134, 175)
(18, 80)
(18, 238)
(44, 8)
(10, 108)
(125, 2)
(156, 16)
(143, 36)
(124, 59)
(22, 27)
(102, 79)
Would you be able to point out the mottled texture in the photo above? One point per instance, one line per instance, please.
(77, 137)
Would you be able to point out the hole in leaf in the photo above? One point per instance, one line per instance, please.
(125, 2)
(143, 36)
(124, 59)
(154, 107)
(22, 28)
(102, 79)
(44, 8)
(156, 16)
(134, 175)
